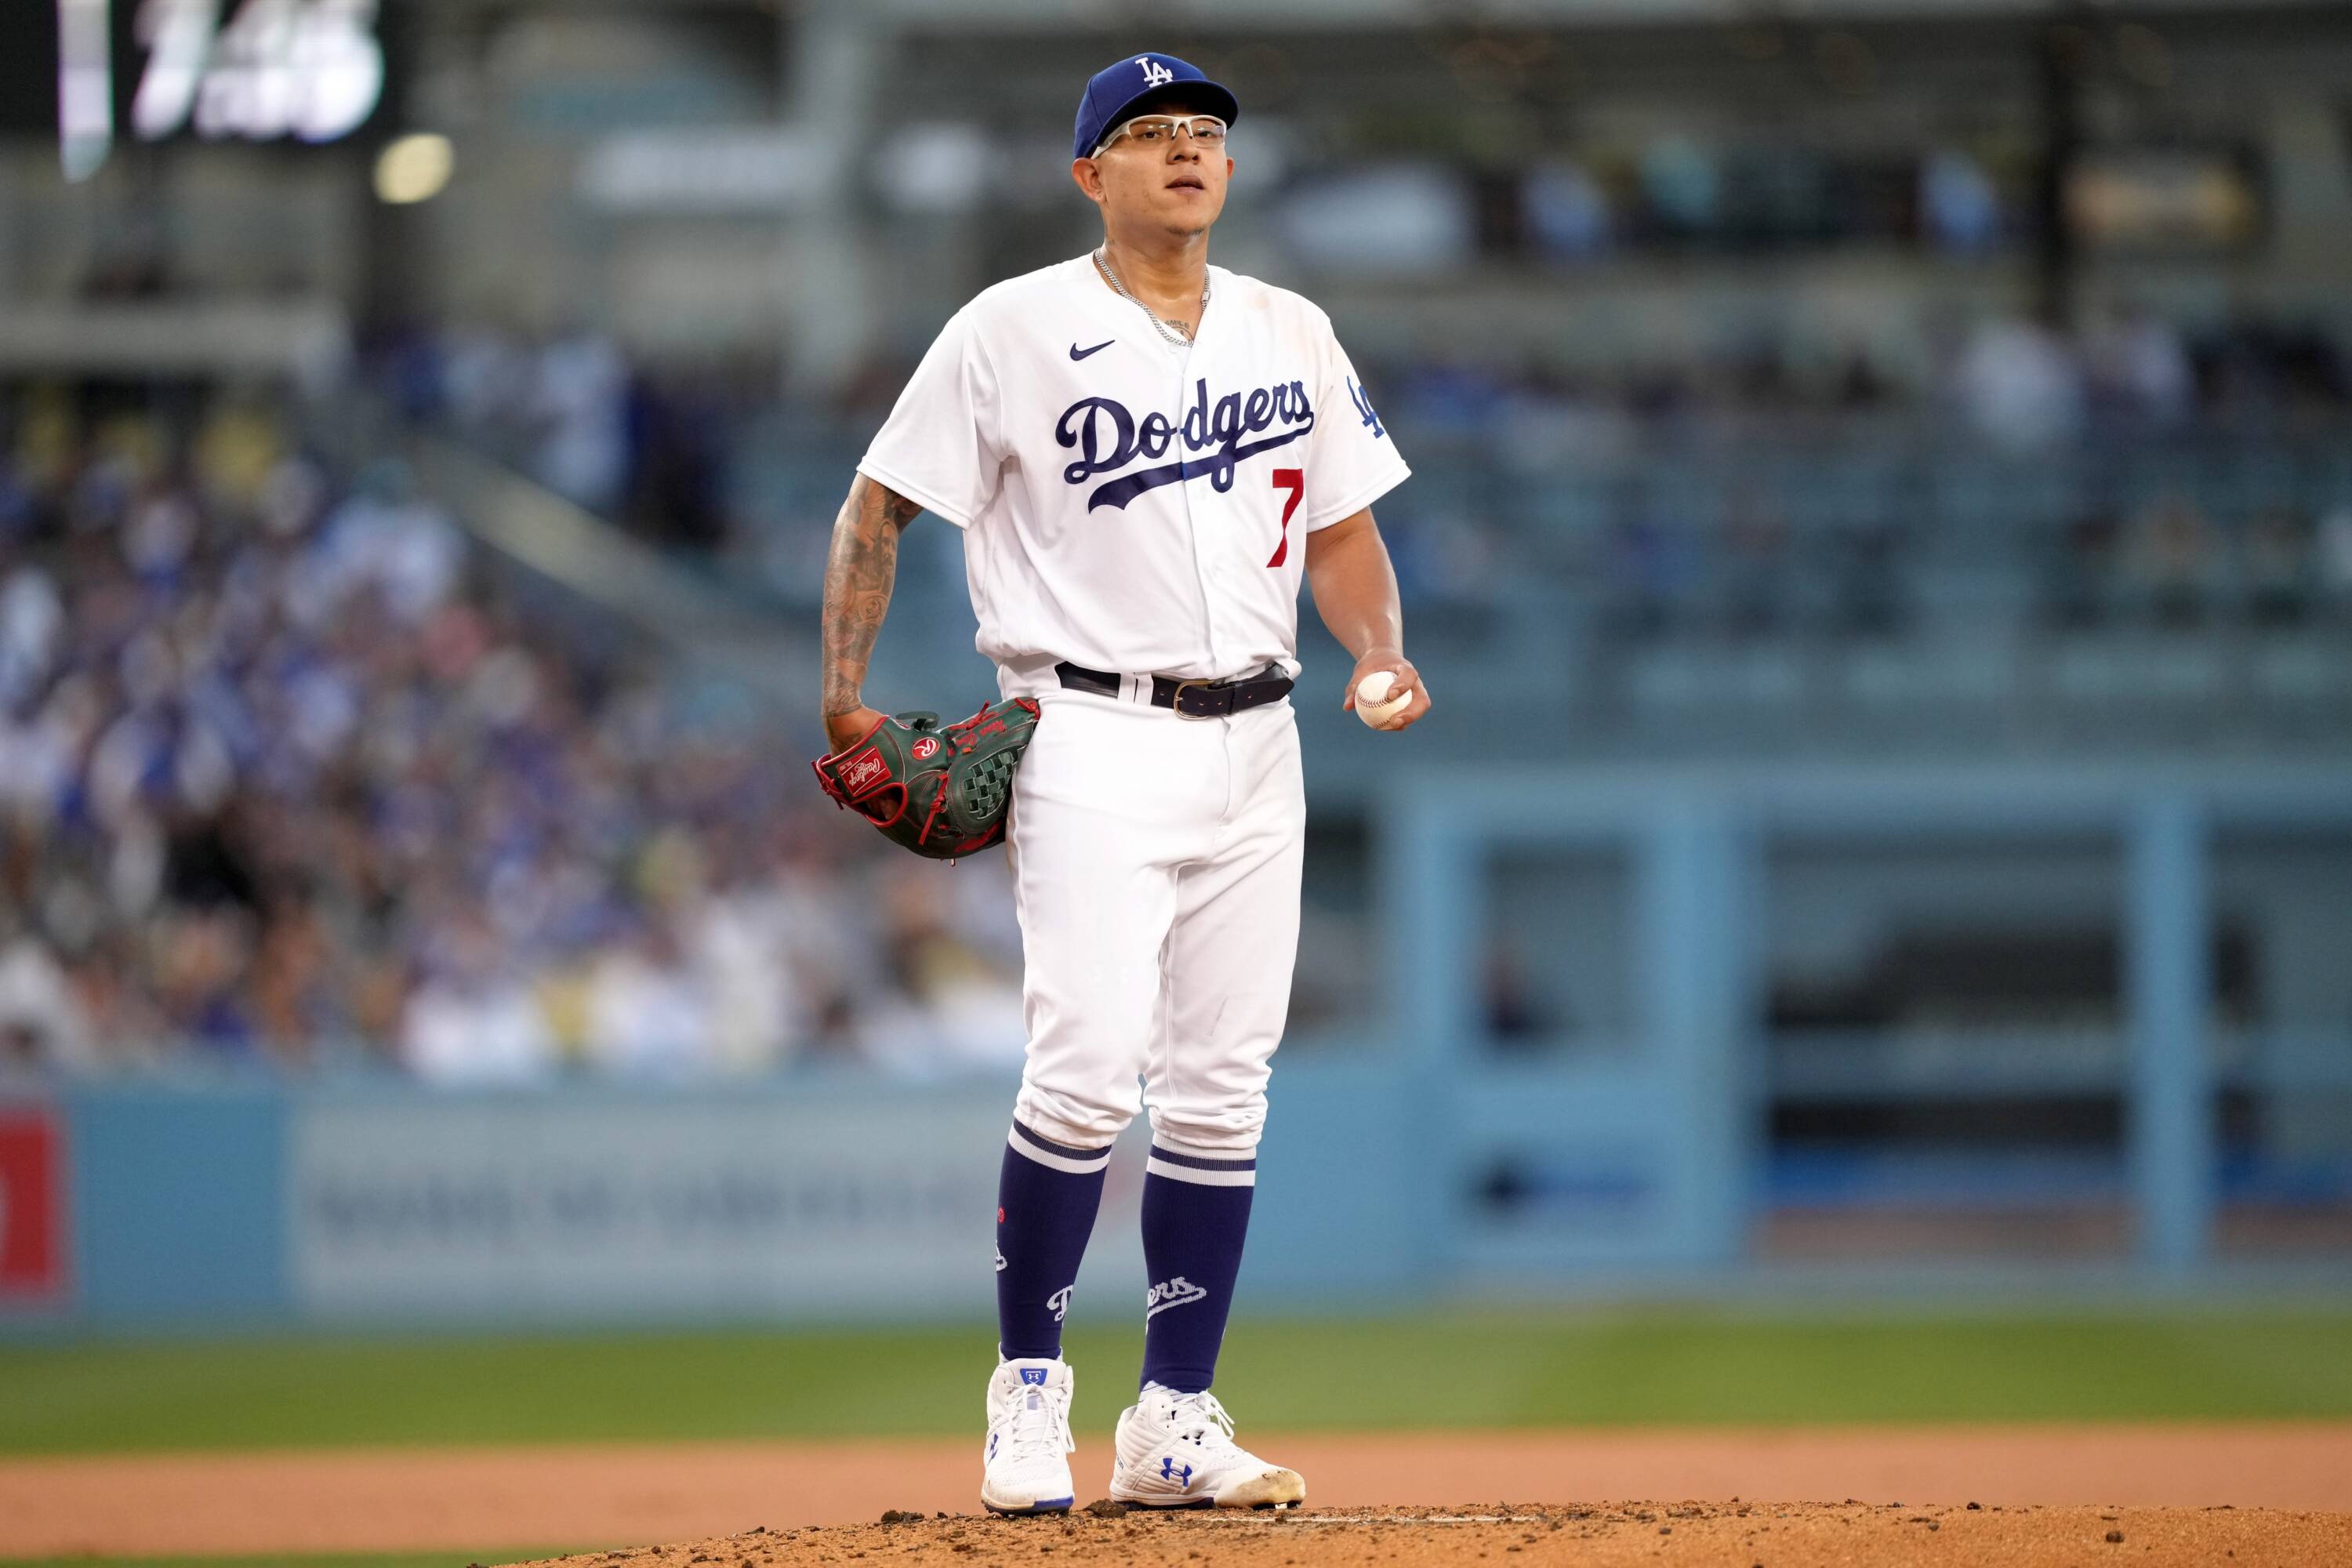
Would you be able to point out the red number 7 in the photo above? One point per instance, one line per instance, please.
(1295, 481)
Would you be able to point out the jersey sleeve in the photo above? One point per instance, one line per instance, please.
(1354, 463)
(940, 447)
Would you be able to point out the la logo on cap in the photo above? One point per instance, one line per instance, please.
(1154, 73)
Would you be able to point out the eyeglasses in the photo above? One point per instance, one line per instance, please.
(1159, 131)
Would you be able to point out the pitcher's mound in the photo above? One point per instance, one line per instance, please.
(1777, 1535)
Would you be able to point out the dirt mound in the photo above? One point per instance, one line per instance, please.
(1776, 1535)
(501, 1503)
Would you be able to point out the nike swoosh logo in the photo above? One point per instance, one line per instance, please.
(1078, 352)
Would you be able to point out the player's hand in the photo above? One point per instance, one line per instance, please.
(1401, 675)
(843, 730)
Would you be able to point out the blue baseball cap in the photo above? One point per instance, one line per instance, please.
(1118, 93)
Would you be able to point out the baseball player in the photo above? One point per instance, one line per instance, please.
(1146, 454)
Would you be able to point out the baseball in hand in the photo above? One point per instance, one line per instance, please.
(1374, 705)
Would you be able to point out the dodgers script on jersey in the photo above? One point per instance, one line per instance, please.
(1129, 504)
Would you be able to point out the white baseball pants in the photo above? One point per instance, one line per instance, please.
(1155, 863)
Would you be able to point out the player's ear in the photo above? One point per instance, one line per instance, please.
(1087, 176)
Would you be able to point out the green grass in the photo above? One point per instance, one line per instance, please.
(1455, 1369)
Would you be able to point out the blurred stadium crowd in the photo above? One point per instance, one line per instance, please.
(288, 777)
(1857, 389)
(293, 776)
(706, 458)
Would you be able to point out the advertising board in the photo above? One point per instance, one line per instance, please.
(33, 1219)
(577, 1207)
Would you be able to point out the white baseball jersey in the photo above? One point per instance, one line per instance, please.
(1129, 504)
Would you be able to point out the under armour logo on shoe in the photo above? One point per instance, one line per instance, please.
(1171, 1471)
(1154, 73)
(1034, 1374)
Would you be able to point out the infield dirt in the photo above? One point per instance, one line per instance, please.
(2290, 1485)
(1587, 1535)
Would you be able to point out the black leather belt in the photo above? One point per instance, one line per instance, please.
(1188, 699)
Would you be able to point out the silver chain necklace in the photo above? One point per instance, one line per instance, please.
(1177, 335)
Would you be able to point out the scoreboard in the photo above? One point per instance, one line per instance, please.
(95, 72)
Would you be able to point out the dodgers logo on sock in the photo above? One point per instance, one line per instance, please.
(1177, 1291)
(1060, 1301)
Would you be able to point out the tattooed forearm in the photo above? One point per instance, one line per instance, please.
(858, 571)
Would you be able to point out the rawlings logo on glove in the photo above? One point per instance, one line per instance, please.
(942, 791)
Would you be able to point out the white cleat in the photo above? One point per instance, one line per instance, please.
(1027, 1466)
(1177, 1450)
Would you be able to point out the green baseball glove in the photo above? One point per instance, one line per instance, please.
(939, 791)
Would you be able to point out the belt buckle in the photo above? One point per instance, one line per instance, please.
(1176, 700)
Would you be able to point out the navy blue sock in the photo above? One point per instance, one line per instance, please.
(1046, 1202)
(1195, 1218)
